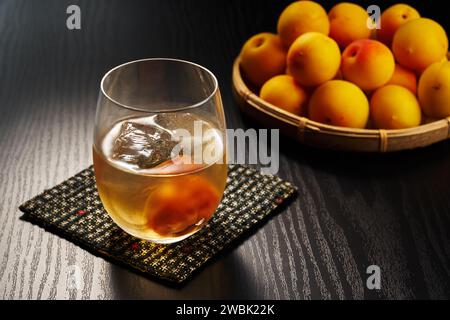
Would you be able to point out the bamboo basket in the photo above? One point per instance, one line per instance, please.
(332, 137)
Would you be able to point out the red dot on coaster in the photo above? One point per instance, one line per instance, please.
(279, 200)
(135, 246)
(81, 212)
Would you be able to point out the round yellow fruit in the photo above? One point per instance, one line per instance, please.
(348, 22)
(263, 57)
(313, 59)
(392, 19)
(283, 92)
(420, 43)
(395, 107)
(368, 63)
(301, 17)
(434, 90)
(339, 103)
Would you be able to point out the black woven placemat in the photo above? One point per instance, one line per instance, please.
(73, 210)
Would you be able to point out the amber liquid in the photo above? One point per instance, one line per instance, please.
(165, 204)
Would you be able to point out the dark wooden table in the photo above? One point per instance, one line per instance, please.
(352, 211)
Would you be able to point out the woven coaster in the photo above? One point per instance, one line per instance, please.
(73, 210)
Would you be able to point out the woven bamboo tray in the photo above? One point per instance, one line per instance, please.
(331, 137)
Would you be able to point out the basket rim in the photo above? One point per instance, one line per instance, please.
(255, 101)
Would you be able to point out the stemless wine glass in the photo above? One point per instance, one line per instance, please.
(159, 148)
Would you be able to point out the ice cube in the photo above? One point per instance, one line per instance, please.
(143, 145)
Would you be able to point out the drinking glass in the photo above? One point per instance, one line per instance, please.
(159, 148)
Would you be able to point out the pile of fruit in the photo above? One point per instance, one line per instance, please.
(339, 69)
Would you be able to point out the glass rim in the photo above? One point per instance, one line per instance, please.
(187, 107)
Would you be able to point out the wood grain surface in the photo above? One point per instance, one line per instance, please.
(352, 211)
